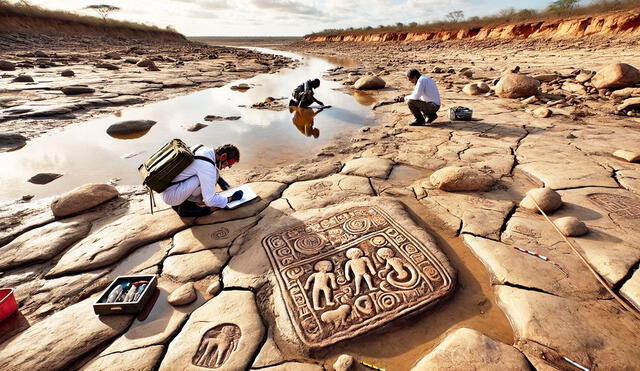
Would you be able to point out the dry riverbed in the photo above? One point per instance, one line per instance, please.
(422, 300)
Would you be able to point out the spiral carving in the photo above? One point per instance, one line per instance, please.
(309, 244)
(357, 225)
(387, 301)
(220, 233)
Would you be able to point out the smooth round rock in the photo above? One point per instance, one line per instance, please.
(67, 73)
(542, 112)
(369, 83)
(144, 63)
(7, 66)
(548, 200)
(82, 198)
(214, 288)
(343, 363)
(183, 295)
(515, 85)
(571, 226)
(617, 75)
(456, 179)
(77, 89)
(107, 66)
(472, 89)
(44, 178)
(129, 127)
(195, 127)
(23, 78)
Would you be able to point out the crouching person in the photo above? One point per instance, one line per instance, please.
(424, 101)
(193, 192)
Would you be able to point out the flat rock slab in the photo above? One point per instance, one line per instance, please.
(467, 349)
(129, 127)
(194, 266)
(11, 142)
(266, 191)
(295, 366)
(82, 198)
(210, 236)
(42, 243)
(59, 339)
(44, 178)
(596, 334)
(115, 240)
(326, 191)
(374, 167)
(346, 270)
(141, 359)
(631, 289)
(19, 217)
(223, 334)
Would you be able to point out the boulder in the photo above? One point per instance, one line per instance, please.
(107, 66)
(129, 127)
(630, 104)
(454, 179)
(44, 178)
(369, 83)
(144, 63)
(55, 342)
(131, 60)
(467, 349)
(195, 127)
(7, 66)
(541, 112)
(153, 67)
(515, 85)
(548, 200)
(67, 73)
(484, 87)
(618, 75)
(23, 78)
(343, 363)
(77, 89)
(11, 142)
(133, 360)
(374, 167)
(472, 89)
(112, 55)
(183, 295)
(194, 266)
(546, 77)
(82, 198)
(630, 156)
(40, 54)
(571, 226)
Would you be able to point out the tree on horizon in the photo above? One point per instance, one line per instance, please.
(103, 10)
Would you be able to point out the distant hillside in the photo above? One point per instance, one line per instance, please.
(19, 19)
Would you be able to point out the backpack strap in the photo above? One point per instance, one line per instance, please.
(203, 158)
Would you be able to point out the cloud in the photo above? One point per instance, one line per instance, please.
(208, 4)
(287, 6)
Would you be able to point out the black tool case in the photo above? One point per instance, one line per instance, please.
(100, 307)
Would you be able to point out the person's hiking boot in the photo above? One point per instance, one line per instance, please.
(419, 120)
(189, 209)
(431, 117)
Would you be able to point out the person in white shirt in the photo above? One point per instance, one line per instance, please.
(196, 184)
(424, 101)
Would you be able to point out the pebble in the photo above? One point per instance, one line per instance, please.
(183, 295)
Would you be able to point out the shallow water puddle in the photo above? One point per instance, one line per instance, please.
(85, 153)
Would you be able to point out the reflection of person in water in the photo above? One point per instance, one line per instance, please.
(303, 120)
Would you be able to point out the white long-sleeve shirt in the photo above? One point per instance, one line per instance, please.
(425, 90)
(197, 181)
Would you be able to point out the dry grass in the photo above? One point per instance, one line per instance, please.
(35, 12)
(506, 16)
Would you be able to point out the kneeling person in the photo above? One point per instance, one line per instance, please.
(303, 94)
(424, 101)
(196, 185)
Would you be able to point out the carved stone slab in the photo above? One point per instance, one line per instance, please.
(623, 206)
(352, 272)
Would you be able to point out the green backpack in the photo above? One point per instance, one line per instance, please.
(163, 166)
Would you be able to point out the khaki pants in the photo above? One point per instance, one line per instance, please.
(420, 107)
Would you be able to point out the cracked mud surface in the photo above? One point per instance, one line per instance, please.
(542, 310)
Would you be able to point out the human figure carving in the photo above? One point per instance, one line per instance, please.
(404, 273)
(215, 350)
(323, 282)
(359, 264)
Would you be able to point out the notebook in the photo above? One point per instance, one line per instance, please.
(247, 195)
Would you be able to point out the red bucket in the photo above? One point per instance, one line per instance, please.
(8, 304)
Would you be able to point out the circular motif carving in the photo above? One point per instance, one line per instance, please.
(220, 233)
(431, 273)
(357, 225)
(294, 273)
(378, 241)
(387, 301)
(309, 244)
(276, 241)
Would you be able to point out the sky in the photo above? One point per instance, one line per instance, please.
(284, 17)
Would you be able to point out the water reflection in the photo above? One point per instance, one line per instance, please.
(303, 120)
(85, 153)
(133, 135)
(366, 99)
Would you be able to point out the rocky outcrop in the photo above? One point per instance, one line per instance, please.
(618, 23)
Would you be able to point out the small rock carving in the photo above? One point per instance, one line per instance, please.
(323, 281)
(216, 346)
(359, 265)
(623, 206)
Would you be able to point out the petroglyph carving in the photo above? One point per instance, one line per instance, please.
(220, 233)
(217, 345)
(323, 281)
(319, 189)
(623, 206)
(351, 272)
